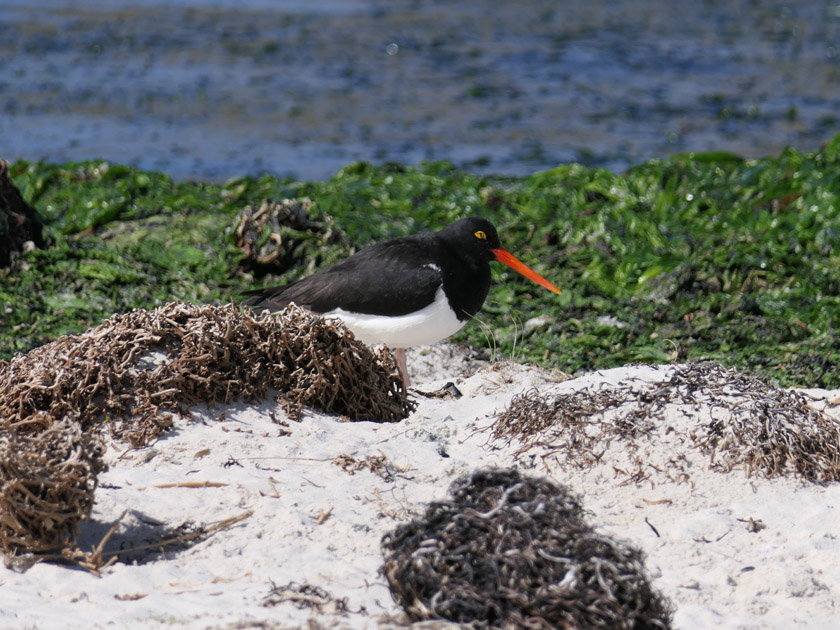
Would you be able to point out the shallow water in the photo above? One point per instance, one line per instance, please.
(210, 89)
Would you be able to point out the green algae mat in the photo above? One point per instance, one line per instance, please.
(698, 257)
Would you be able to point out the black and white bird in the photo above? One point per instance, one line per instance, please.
(409, 291)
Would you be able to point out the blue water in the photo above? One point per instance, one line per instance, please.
(217, 88)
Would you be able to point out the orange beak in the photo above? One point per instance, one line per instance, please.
(504, 256)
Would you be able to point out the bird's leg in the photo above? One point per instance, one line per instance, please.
(402, 365)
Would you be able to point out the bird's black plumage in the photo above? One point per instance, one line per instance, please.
(400, 276)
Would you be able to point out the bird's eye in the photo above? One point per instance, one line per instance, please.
(480, 235)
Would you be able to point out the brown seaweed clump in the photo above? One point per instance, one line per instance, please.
(512, 552)
(279, 235)
(48, 474)
(734, 419)
(137, 369)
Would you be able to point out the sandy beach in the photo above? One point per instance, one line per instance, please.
(311, 501)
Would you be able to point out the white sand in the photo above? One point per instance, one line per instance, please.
(313, 523)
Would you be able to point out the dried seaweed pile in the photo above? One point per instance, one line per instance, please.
(754, 425)
(276, 236)
(136, 370)
(204, 354)
(48, 474)
(577, 427)
(514, 552)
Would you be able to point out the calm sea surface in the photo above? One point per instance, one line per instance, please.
(210, 89)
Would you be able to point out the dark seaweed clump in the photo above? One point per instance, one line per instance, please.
(508, 551)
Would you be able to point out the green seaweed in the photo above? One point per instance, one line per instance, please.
(700, 256)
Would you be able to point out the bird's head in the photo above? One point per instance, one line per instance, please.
(476, 239)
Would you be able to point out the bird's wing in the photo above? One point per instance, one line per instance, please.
(392, 278)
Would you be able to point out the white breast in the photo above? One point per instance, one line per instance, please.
(431, 324)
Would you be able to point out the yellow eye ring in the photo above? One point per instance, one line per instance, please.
(480, 235)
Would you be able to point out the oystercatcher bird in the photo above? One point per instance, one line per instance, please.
(409, 291)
